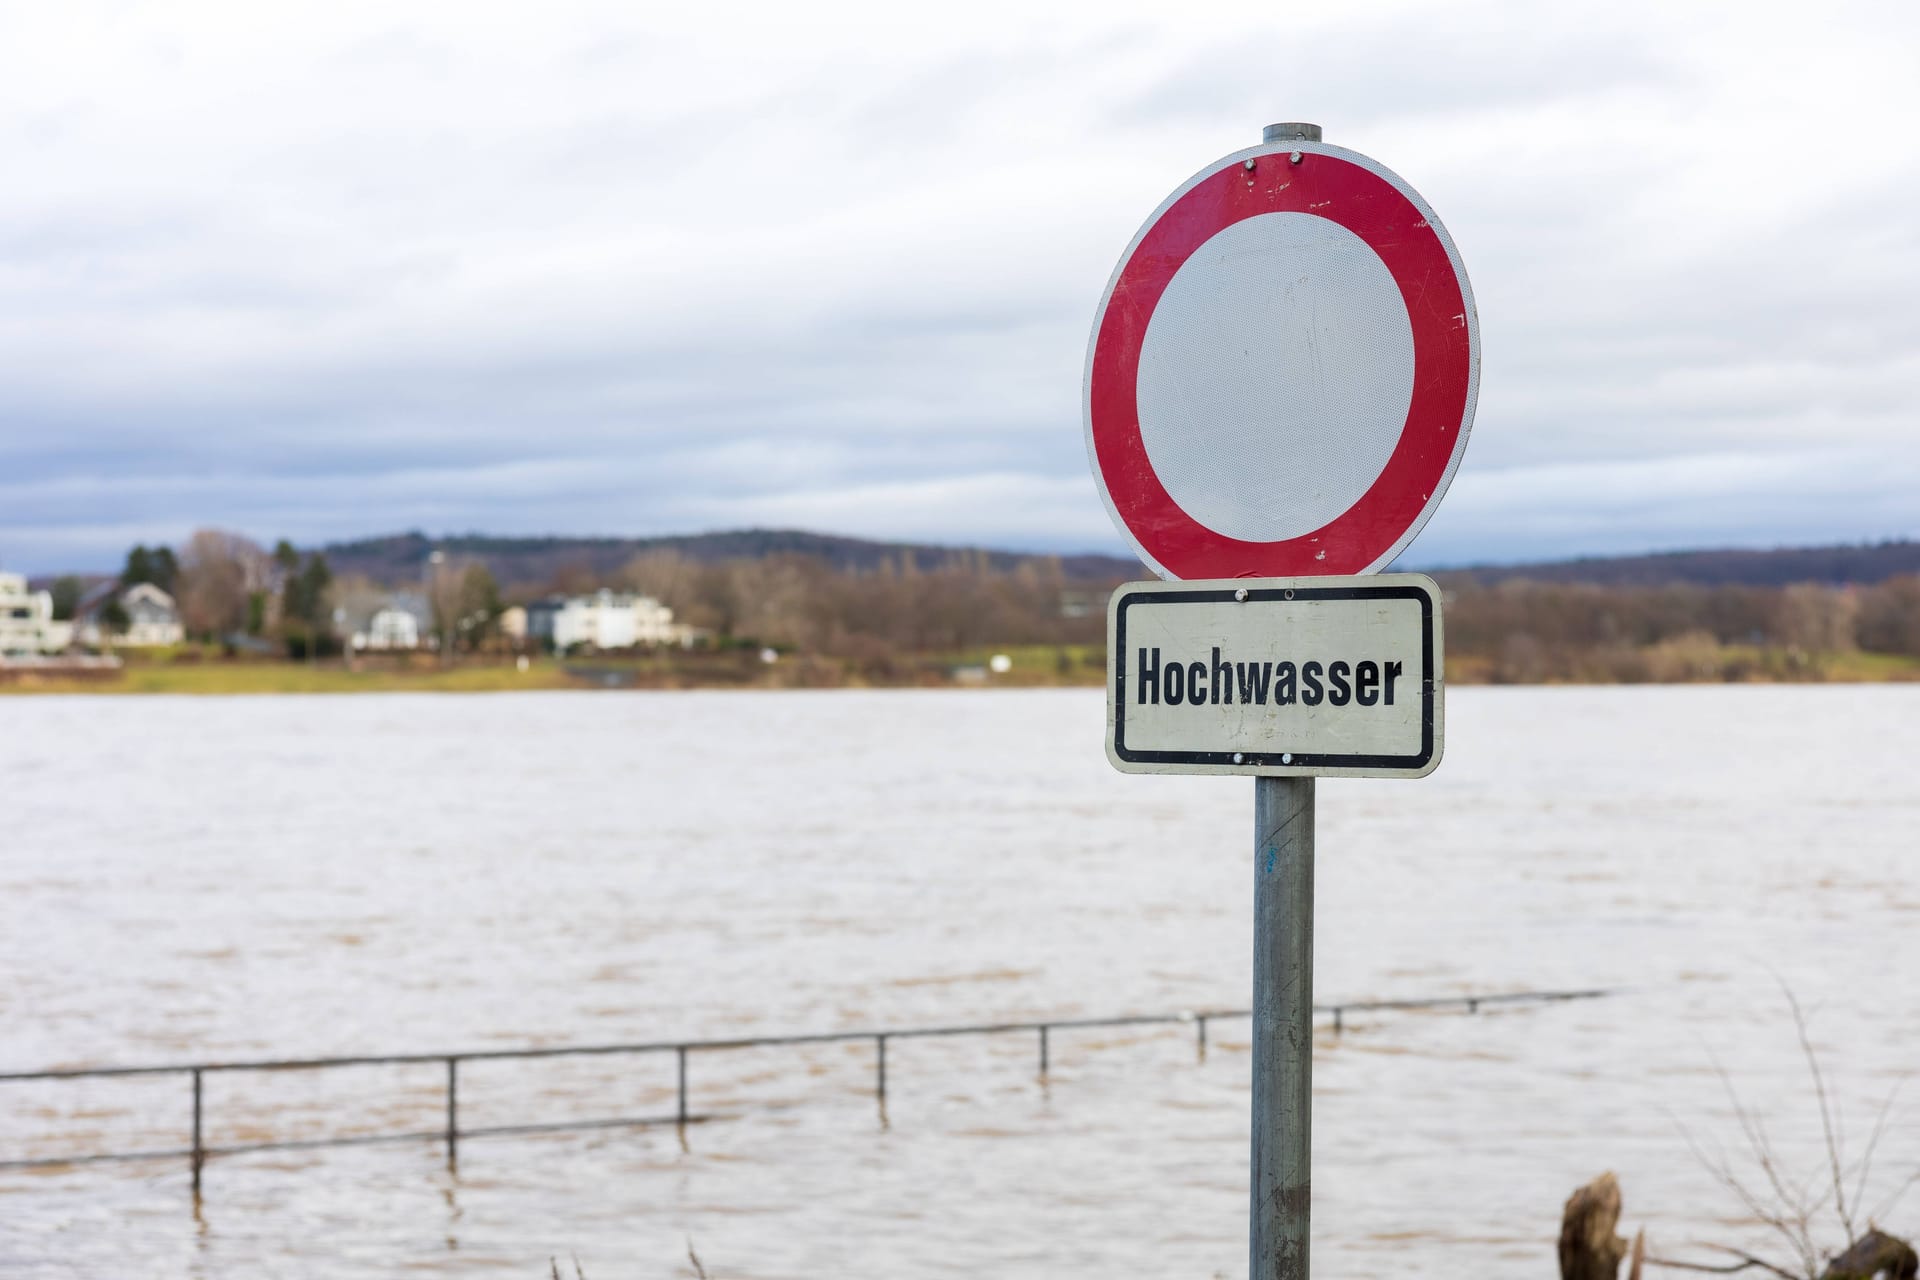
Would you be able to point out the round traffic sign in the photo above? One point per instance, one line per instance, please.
(1283, 369)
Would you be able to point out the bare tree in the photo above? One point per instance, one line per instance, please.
(1814, 619)
(1890, 616)
(1795, 1208)
(464, 600)
(219, 573)
(666, 575)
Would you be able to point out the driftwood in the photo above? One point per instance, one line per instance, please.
(1876, 1253)
(1589, 1247)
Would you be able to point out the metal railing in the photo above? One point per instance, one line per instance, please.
(198, 1153)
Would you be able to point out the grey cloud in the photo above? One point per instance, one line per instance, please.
(1442, 62)
(624, 284)
(1701, 500)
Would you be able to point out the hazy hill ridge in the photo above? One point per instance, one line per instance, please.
(1862, 565)
(534, 561)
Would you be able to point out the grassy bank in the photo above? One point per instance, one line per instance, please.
(296, 677)
(195, 673)
(1687, 661)
(1032, 666)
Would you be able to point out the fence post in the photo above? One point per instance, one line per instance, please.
(1201, 1042)
(1043, 1052)
(880, 1068)
(199, 1151)
(680, 1053)
(453, 1110)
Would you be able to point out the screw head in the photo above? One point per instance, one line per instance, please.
(1286, 757)
(1249, 163)
(1239, 593)
(1238, 758)
(1295, 157)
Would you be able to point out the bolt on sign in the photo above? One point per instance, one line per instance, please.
(1287, 676)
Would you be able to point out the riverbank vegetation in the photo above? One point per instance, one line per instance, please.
(1524, 632)
(886, 625)
(278, 622)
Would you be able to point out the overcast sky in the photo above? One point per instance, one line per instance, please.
(344, 269)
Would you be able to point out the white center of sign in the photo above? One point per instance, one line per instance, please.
(1275, 377)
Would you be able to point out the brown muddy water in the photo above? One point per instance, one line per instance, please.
(211, 878)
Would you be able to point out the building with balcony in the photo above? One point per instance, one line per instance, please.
(27, 628)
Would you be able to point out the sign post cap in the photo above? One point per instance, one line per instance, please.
(1292, 131)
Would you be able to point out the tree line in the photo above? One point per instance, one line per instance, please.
(1524, 631)
(228, 586)
(1518, 630)
(803, 604)
(230, 590)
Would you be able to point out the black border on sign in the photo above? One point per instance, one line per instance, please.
(1250, 760)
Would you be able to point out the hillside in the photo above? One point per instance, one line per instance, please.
(1859, 565)
(534, 562)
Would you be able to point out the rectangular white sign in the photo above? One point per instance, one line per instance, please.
(1327, 676)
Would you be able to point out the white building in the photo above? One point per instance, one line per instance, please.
(27, 627)
(153, 620)
(402, 621)
(604, 620)
(390, 628)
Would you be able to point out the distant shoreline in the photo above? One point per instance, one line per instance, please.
(1028, 667)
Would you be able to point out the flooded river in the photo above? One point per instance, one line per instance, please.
(263, 877)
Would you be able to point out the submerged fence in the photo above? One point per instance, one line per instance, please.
(198, 1152)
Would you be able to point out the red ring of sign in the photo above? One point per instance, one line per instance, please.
(1379, 213)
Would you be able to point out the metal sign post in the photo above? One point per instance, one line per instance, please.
(1279, 386)
(1282, 1025)
(1286, 679)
